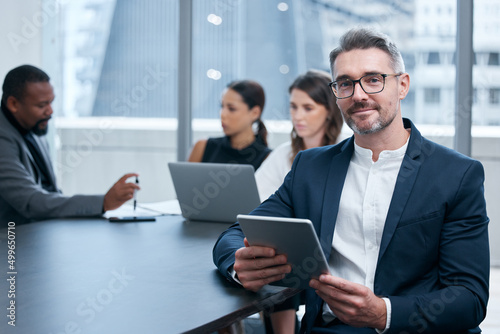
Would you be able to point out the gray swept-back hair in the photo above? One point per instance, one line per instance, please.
(362, 38)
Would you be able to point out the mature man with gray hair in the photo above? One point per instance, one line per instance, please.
(401, 219)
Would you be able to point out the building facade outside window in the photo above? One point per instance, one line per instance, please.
(494, 96)
(432, 95)
(268, 41)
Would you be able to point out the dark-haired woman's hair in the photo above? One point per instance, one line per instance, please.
(253, 95)
(315, 84)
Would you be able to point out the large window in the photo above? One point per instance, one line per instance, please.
(119, 58)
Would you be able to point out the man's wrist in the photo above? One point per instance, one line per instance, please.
(388, 310)
(234, 275)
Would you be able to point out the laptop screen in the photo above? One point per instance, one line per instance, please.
(214, 192)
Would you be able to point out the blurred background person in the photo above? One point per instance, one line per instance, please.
(28, 188)
(317, 121)
(241, 109)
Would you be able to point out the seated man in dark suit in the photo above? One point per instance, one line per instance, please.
(401, 219)
(28, 189)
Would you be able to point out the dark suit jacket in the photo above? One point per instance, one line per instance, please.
(433, 262)
(22, 197)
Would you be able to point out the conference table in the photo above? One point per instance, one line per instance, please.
(94, 276)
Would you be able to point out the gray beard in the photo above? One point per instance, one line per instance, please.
(378, 126)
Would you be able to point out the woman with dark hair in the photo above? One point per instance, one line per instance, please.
(317, 121)
(242, 105)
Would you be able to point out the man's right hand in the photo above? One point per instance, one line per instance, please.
(120, 192)
(257, 266)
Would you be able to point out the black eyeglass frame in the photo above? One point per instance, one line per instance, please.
(330, 84)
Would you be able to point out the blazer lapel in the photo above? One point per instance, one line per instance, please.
(27, 152)
(333, 190)
(331, 199)
(404, 184)
(42, 144)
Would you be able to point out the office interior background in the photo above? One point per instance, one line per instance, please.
(114, 67)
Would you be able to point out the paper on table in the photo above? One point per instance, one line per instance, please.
(146, 209)
(170, 207)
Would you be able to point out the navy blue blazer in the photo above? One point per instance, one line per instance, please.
(433, 262)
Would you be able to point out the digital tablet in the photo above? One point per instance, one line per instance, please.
(291, 236)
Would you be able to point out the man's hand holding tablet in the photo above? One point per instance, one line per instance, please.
(282, 251)
(257, 266)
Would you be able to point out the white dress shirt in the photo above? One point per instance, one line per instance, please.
(364, 203)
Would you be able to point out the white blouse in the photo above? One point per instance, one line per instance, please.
(273, 170)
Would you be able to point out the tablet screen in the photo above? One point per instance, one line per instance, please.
(291, 236)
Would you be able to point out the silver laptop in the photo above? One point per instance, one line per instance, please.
(214, 192)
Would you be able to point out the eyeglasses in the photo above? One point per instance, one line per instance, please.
(370, 83)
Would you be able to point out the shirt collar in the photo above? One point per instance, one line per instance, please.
(12, 120)
(366, 154)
